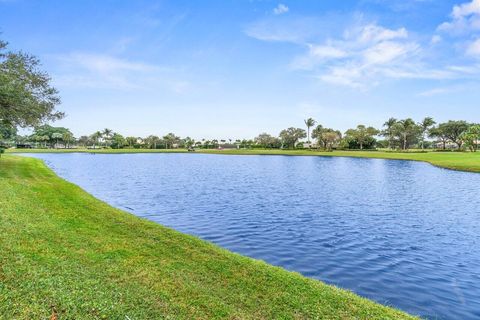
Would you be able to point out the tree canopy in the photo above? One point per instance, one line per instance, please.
(291, 136)
(26, 96)
(362, 136)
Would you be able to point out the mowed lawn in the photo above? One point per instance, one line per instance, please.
(65, 253)
(465, 161)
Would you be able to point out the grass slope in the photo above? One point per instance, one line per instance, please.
(464, 161)
(65, 252)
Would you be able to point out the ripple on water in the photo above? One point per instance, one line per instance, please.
(405, 234)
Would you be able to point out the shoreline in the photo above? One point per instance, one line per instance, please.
(66, 236)
(458, 161)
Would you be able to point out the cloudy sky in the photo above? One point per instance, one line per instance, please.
(232, 69)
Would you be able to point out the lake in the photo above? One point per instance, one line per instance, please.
(402, 233)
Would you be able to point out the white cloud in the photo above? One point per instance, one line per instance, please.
(466, 9)
(387, 51)
(105, 64)
(326, 51)
(109, 72)
(281, 9)
(464, 18)
(375, 33)
(436, 39)
(434, 92)
(361, 57)
(473, 48)
(318, 54)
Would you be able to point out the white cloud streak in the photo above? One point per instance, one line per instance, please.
(109, 72)
(280, 9)
(464, 18)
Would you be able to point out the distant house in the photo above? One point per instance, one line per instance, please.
(448, 145)
(309, 145)
(23, 146)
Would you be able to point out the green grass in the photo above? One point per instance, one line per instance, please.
(64, 250)
(465, 161)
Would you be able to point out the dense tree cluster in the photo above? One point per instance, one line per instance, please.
(396, 135)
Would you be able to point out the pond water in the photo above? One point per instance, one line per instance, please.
(405, 234)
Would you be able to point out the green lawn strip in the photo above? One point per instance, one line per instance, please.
(64, 250)
(464, 161)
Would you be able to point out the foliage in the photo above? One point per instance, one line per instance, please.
(267, 141)
(425, 126)
(361, 137)
(326, 137)
(291, 136)
(26, 96)
(7, 131)
(170, 140)
(471, 137)
(107, 135)
(152, 141)
(51, 136)
(117, 141)
(389, 132)
(406, 133)
(310, 122)
(451, 131)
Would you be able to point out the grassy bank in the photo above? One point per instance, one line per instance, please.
(465, 161)
(63, 251)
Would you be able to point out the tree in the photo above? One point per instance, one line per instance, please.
(117, 141)
(50, 135)
(425, 126)
(309, 123)
(84, 141)
(2, 150)
(290, 137)
(170, 139)
(96, 136)
(67, 138)
(453, 131)
(388, 132)
(26, 97)
(326, 137)
(361, 134)
(107, 136)
(131, 141)
(471, 137)
(440, 135)
(188, 142)
(330, 137)
(152, 141)
(267, 141)
(407, 131)
(57, 136)
(7, 132)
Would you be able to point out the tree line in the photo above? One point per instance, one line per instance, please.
(27, 99)
(403, 134)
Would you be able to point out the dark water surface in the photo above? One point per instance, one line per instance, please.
(406, 234)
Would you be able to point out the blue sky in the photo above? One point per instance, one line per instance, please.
(232, 69)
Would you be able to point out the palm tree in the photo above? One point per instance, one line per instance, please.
(95, 137)
(309, 123)
(406, 129)
(425, 126)
(389, 131)
(107, 135)
(67, 138)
